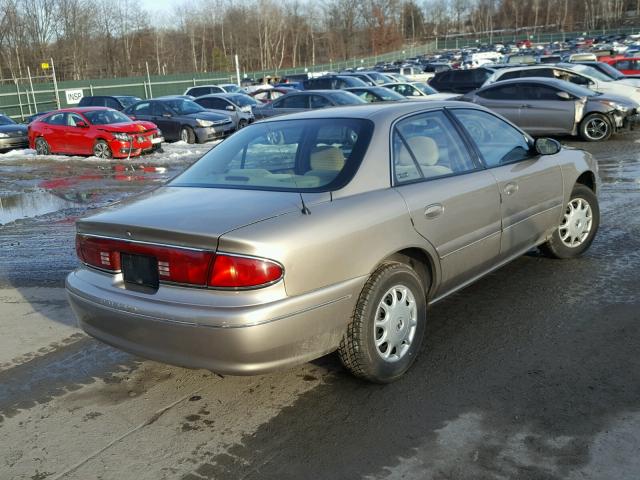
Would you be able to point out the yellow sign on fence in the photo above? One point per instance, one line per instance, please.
(44, 65)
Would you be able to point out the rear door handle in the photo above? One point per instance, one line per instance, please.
(510, 188)
(433, 211)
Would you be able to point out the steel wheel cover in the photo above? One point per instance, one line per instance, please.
(597, 128)
(576, 224)
(395, 323)
(184, 135)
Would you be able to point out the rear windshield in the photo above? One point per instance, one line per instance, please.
(243, 100)
(312, 155)
(128, 101)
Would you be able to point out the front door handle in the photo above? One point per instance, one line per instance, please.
(510, 188)
(433, 211)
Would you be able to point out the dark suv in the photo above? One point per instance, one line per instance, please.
(460, 81)
(117, 102)
(332, 82)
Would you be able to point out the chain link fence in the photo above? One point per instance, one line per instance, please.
(20, 98)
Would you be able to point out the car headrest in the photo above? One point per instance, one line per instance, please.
(327, 158)
(425, 149)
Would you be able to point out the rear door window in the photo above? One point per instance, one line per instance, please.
(295, 101)
(143, 108)
(56, 119)
(319, 102)
(428, 146)
(503, 92)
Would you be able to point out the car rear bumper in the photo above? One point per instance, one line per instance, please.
(14, 142)
(203, 330)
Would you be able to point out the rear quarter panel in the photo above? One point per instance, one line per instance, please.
(341, 239)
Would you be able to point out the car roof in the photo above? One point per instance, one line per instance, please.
(80, 109)
(373, 111)
(222, 95)
(542, 80)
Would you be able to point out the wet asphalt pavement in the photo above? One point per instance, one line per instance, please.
(531, 373)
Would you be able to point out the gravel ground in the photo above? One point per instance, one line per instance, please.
(531, 373)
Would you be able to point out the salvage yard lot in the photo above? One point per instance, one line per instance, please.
(533, 373)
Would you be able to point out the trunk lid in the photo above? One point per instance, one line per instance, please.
(191, 216)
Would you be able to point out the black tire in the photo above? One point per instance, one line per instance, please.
(187, 135)
(102, 150)
(42, 147)
(596, 127)
(358, 351)
(242, 124)
(555, 247)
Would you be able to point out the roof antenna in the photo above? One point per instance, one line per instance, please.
(305, 210)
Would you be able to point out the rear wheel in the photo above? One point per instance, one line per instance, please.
(578, 226)
(595, 128)
(42, 147)
(187, 135)
(101, 149)
(388, 324)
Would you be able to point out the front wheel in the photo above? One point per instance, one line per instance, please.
(187, 135)
(101, 150)
(388, 324)
(578, 227)
(595, 128)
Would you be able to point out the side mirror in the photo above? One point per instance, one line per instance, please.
(82, 125)
(231, 108)
(563, 95)
(546, 146)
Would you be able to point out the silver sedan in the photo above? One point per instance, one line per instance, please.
(327, 230)
(546, 106)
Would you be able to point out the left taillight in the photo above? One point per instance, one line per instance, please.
(182, 265)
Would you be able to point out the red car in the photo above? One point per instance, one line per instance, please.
(628, 66)
(99, 131)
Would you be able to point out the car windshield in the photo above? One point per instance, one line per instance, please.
(579, 91)
(379, 78)
(128, 101)
(424, 88)
(183, 107)
(592, 72)
(286, 155)
(105, 117)
(387, 94)
(4, 120)
(243, 101)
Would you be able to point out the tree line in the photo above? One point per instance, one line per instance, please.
(119, 38)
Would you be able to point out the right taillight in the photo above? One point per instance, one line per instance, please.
(185, 266)
(232, 271)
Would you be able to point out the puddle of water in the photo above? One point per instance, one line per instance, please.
(32, 204)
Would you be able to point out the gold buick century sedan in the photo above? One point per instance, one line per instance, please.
(327, 230)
